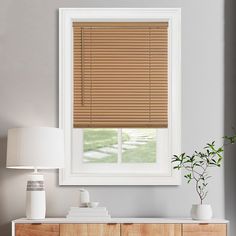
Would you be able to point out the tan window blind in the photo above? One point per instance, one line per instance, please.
(120, 75)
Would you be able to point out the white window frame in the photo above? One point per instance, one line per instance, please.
(66, 17)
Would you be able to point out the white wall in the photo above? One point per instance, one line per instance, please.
(29, 97)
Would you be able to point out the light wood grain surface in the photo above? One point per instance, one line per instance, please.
(116, 229)
(151, 229)
(37, 229)
(89, 229)
(204, 230)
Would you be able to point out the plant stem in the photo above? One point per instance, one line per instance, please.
(199, 192)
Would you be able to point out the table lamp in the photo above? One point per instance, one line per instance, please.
(35, 148)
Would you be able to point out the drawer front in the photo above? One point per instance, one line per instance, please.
(204, 229)
(151, 229)
(89, 229)
(37, 230)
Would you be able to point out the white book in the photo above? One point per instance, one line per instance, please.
(90, 217)
(97, 214)
(89, 212)
(87, 209)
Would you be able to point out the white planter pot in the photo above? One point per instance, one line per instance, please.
(201, 212)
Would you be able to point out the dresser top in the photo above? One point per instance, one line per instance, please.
(121, 220)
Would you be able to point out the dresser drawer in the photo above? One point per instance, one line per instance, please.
(89, 229)
(37, 230)
(151, 229)
(204, 230)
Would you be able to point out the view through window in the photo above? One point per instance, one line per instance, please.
(102, 145)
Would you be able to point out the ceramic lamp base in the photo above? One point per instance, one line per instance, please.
(35, 198)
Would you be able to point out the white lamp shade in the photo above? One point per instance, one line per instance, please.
(35, 148)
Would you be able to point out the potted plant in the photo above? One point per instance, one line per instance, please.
(197, 168)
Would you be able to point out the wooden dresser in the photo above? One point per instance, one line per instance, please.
(119, 227)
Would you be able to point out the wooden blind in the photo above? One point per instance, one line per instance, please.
(120, 75)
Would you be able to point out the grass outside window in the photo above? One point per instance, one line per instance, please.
(101, 145)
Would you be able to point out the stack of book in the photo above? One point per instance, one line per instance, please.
(86, 212)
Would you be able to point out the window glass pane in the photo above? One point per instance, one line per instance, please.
(139, 145)
(100, 145)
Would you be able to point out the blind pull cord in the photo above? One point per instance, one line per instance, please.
(82, 68)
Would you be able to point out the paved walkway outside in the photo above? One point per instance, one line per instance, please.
(137, 138)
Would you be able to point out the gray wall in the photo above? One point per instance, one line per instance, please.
(29, 97)
(230, 111)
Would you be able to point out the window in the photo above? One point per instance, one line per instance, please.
(120, 95)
